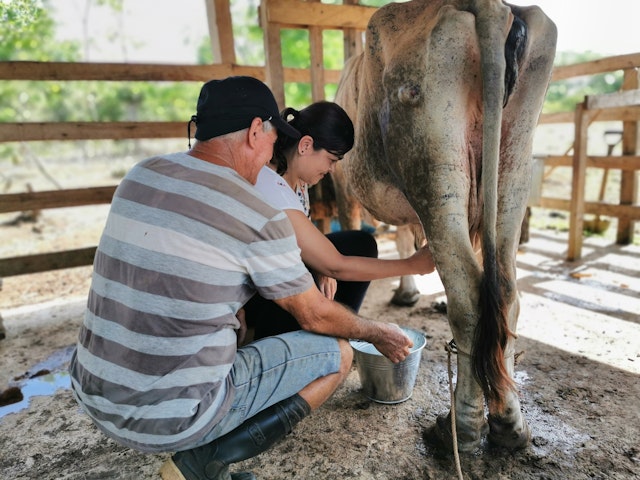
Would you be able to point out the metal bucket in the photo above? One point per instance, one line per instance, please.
(382, 380)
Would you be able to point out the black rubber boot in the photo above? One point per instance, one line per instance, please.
(254, 436)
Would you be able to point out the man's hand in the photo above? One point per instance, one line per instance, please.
(317, 314)
(394, 344)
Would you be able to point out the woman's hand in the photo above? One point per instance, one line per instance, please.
(423, 260)
(242, 331)
(327, 285)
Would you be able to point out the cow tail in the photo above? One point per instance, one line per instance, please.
(492, 330)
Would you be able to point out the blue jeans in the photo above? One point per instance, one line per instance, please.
(269, 370)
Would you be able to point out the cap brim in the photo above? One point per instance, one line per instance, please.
(285, 128)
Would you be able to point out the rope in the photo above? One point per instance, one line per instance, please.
(451, 347)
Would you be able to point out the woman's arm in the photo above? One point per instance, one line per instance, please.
(319, 254)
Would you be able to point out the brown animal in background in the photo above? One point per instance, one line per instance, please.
(445, 100)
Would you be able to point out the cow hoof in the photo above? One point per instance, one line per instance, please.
(405, 299)
(439, 436)
(505, 435)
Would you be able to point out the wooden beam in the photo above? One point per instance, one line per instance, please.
(32, 131)
(43, 262)
(553, 203)
(626, 98)
(73, 197)
(556, 117)
(297, 14)
(221, 31)
(107, 72)
(628, 163)
(592, 67)
(631, 113)
(110, 72)
(591, 208)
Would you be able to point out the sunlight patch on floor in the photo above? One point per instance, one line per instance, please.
(577, 330)
(629, 262)
(590, 297)
(590, 308)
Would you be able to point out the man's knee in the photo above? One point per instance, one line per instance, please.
(346, 356)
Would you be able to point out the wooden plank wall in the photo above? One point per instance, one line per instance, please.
(351, 18)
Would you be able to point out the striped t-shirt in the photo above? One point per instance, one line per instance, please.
(185, 245)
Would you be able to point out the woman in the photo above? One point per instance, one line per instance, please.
(343, 263)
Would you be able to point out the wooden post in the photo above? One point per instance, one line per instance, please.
(352, 38)
(274, 71)
(317, 62)
(576, 213)
(317, 94)
(628, 180)
(220, 31)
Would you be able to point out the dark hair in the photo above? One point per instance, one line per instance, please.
(326, 122)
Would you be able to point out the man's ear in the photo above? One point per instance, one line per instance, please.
(254, 129)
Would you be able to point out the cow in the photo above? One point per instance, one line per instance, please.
(351, 216)
(445, 99)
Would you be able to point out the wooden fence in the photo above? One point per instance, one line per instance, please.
(314, 16)
(623, 106)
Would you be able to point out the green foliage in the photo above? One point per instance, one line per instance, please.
(32, 37)
(30, 34)
(563, 95)
(204, 54)
(247, 33)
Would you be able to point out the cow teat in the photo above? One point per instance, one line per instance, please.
(409, 94)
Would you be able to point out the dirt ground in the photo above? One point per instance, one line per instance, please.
(578, 377)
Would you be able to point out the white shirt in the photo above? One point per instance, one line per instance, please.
(279, 194)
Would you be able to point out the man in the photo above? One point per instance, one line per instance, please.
(187, 242)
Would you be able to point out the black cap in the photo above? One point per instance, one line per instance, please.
(231, 104)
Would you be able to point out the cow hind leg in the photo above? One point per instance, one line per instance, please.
(438, 190)
(470, 423)
(508, 427)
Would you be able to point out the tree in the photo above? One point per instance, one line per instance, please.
(31, 33)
